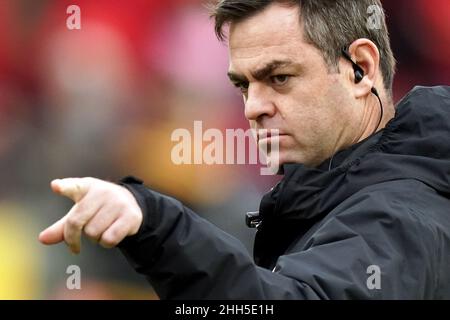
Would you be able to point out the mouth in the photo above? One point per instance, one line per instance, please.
(269, 134)
(271, 145)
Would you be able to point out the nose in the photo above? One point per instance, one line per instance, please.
(258, 103)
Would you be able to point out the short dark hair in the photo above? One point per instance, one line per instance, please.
(330, 25)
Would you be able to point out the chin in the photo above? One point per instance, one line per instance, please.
(280, 158)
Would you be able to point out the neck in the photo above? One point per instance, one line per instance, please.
(375, 116)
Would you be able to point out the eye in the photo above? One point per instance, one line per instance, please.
(243, 86)
(279, 80)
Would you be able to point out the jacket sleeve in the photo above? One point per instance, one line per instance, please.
(185, 257)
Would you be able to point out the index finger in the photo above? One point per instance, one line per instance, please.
(73, 188)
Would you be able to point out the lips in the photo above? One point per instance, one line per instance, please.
(269, 134)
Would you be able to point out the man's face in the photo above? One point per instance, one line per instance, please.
(287, 86)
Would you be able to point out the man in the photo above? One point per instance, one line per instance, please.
(363, 209)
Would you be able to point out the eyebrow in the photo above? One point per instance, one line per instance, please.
(263, 72)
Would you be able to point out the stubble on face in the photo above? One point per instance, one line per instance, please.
(311, 109)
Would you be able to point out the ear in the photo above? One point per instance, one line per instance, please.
(365, 53)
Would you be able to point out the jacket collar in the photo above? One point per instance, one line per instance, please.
(305, 192)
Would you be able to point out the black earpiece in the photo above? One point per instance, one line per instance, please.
(359, 72)
(359, 75)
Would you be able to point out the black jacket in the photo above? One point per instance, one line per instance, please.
(384, 205)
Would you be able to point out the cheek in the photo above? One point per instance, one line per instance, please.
(307, 132)
(313, 123)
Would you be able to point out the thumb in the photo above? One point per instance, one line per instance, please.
(54, 233)
(73, 188)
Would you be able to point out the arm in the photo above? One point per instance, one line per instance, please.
(186, 257)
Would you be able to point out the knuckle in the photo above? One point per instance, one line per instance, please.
(134, 228)
(133, 221)
(126, 202)
(74, 222)
(121, 207)
(80, 207)
(100, 195)
(108, 240)
(108, 191)
(92, 184)
(88, 180)
(91, 231)
(135, 218)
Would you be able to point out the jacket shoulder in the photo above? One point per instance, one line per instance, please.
(383, 226)
(406, 201)
(426, 95)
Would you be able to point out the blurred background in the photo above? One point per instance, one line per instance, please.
(103, 101)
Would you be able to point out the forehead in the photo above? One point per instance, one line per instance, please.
(274, 33)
